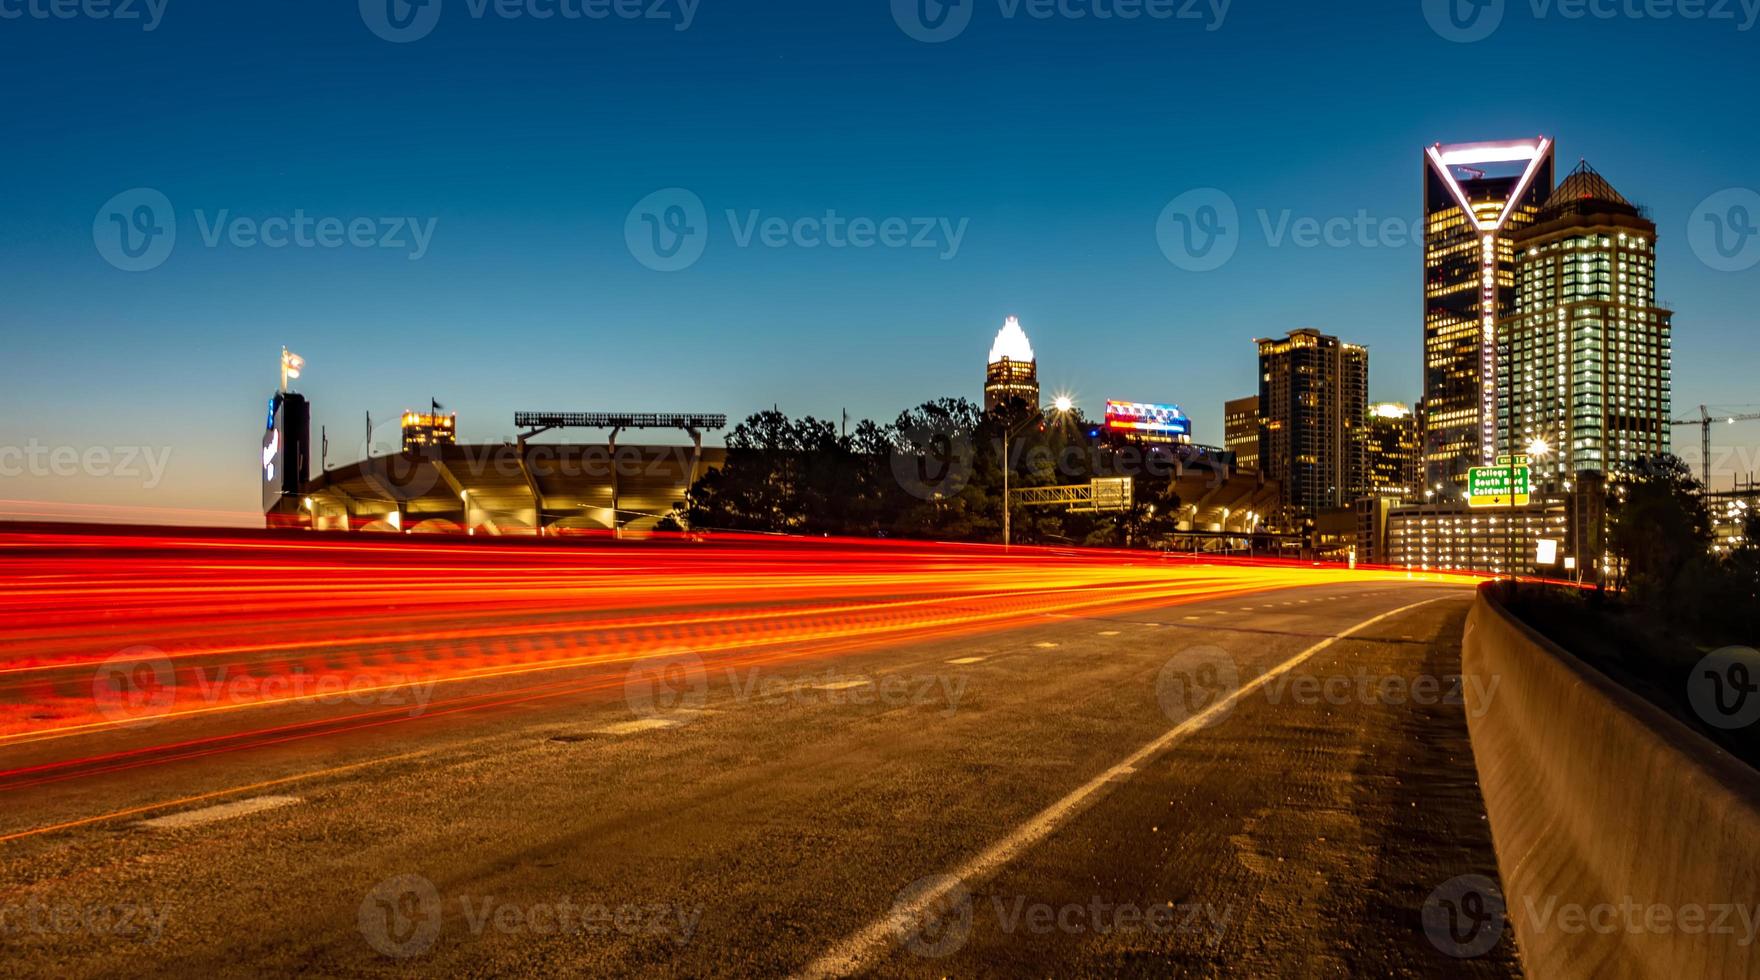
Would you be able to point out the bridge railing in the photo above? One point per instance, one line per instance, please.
(1628, 844)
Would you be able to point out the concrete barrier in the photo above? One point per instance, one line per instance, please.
(1628, 844)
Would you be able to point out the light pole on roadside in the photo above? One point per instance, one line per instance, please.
(1062, 406)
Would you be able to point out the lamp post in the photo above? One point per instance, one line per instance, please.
(1062, 406)
(1538, 449)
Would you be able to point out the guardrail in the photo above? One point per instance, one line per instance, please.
(1628, 844)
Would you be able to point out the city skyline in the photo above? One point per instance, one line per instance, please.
(527, 294)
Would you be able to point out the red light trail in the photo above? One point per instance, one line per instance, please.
(140, 635)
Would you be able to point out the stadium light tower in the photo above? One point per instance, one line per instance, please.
(291, 365)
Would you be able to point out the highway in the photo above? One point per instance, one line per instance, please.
(237, 756)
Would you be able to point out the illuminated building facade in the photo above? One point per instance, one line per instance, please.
(1240, 419)
(1313, 396)
(1393, 453)
(1012, 372)
(1587, 354)
(1476, 197)
(422, 429)
(1449, 536)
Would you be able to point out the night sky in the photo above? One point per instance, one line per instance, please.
(1044, 147)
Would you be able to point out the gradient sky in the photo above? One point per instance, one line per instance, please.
(528, 141)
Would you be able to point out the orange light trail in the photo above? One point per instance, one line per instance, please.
(107, 630)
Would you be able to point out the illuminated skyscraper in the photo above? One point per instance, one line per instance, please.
(1393, 453)
(1011, 372)
(1313, 396)
(1587, 353)
(1240, 420)
(1476, 196)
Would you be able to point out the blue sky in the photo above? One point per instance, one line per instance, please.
(1051, 143)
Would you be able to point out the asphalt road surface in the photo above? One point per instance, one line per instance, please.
(1263, 784)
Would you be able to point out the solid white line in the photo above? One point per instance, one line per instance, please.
(855, 953)
(222, 811)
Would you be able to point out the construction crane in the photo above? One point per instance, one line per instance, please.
(1704, 423)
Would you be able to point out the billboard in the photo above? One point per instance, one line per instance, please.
(1164, 423)
(286, 448)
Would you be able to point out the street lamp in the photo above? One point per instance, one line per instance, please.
(1538, 449)
(1062, 406)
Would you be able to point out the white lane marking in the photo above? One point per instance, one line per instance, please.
(1109, 632)
(841, 685)
(1046, 646)
(638, 726)
(855, 953)
(967, 660)
(218, 812)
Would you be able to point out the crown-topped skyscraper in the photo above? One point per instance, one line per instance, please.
(1011, 372)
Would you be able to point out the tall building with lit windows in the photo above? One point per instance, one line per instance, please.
(1587, 353)
(422, 429)
(1313, 398)
(1477, 196)
(1011, 372)
(1240, 420)
(1392, 453)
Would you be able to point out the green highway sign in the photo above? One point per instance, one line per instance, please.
(1489, 486)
